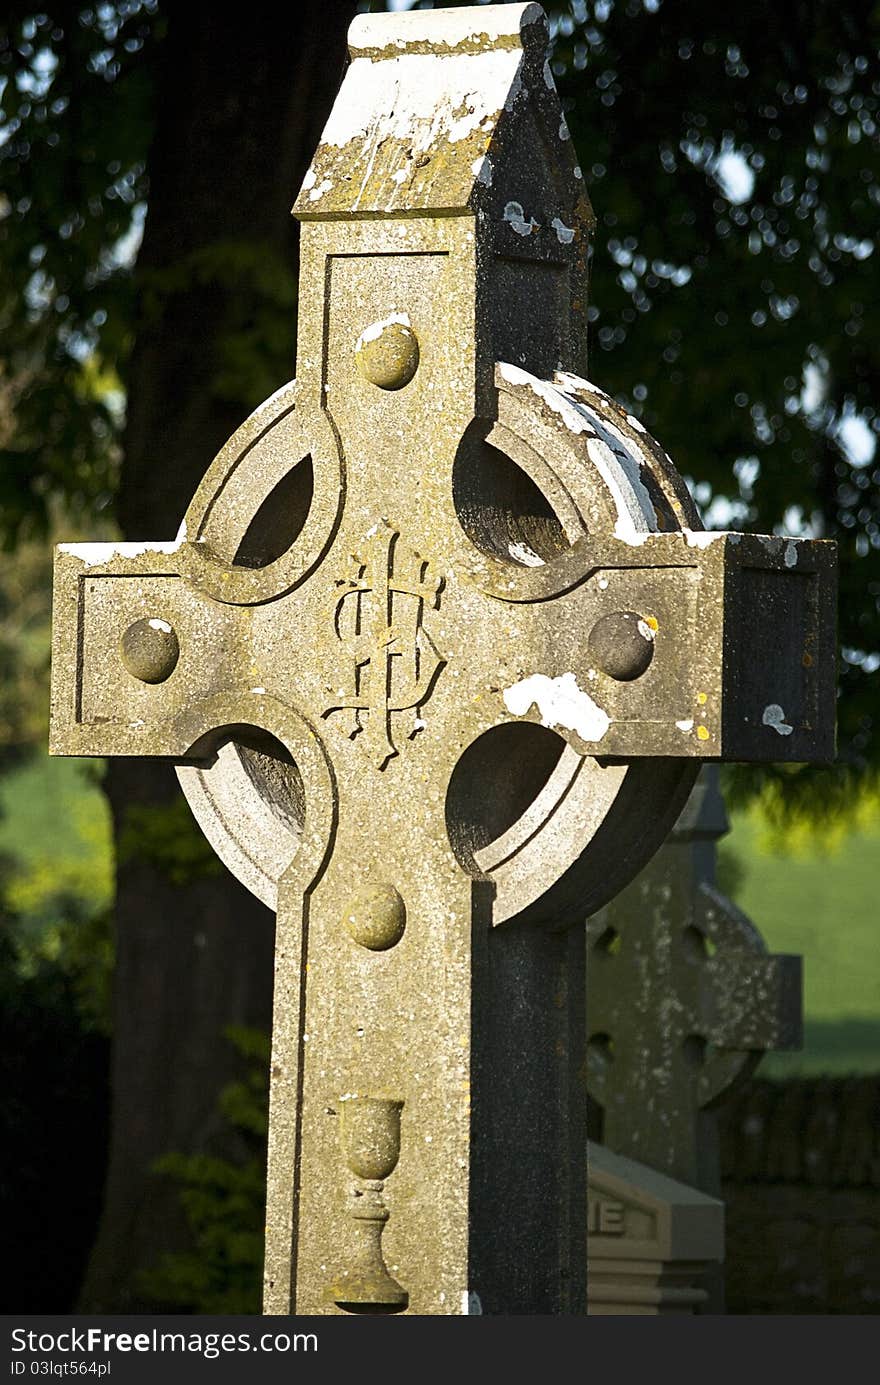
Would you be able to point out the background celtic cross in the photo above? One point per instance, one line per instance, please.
(429, 1034)
(683, 998)
(392, 661)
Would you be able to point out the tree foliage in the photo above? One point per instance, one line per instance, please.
(75, 121)
(224, 1201)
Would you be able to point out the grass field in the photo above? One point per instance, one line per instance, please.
(820, 901)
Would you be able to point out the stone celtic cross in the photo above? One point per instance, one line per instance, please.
(438, 650)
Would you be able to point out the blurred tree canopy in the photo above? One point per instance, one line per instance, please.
(731, 154)
(76, 121)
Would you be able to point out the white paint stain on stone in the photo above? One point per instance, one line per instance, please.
(772, 543)
(635, 423)
(319, 191)
(482, 170)
(376, 329)
(560, 702)
(577, 171)
(790, 556)
(564, 132)
(564, 234)
(162, 625)
(631, 525)
(702, 538)
(618, 467)
(521, 553)
(687, 725)
(570, 382)
(425, 102)
(774, 716)
(646, 631)
(516, 217)
(97, 554)
(259, 691)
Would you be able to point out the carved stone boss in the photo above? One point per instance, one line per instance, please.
(438, 650)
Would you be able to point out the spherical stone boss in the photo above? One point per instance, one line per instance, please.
(150, 650)
(387, 353)
(622, 645)
(376, 918)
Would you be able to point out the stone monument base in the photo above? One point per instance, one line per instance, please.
(650, 1240)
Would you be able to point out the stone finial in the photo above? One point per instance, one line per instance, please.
(454, 113)
(438, 110)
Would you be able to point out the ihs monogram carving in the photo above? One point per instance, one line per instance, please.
(390, 662)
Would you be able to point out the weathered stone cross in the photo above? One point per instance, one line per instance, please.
(439, 648)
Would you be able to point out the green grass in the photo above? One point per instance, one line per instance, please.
(820, 899)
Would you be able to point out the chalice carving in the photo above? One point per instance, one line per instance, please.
(369, 1134)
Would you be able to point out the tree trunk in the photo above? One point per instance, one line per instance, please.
(241, 98)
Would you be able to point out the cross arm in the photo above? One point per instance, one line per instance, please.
(695, 644)
(135, 647)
